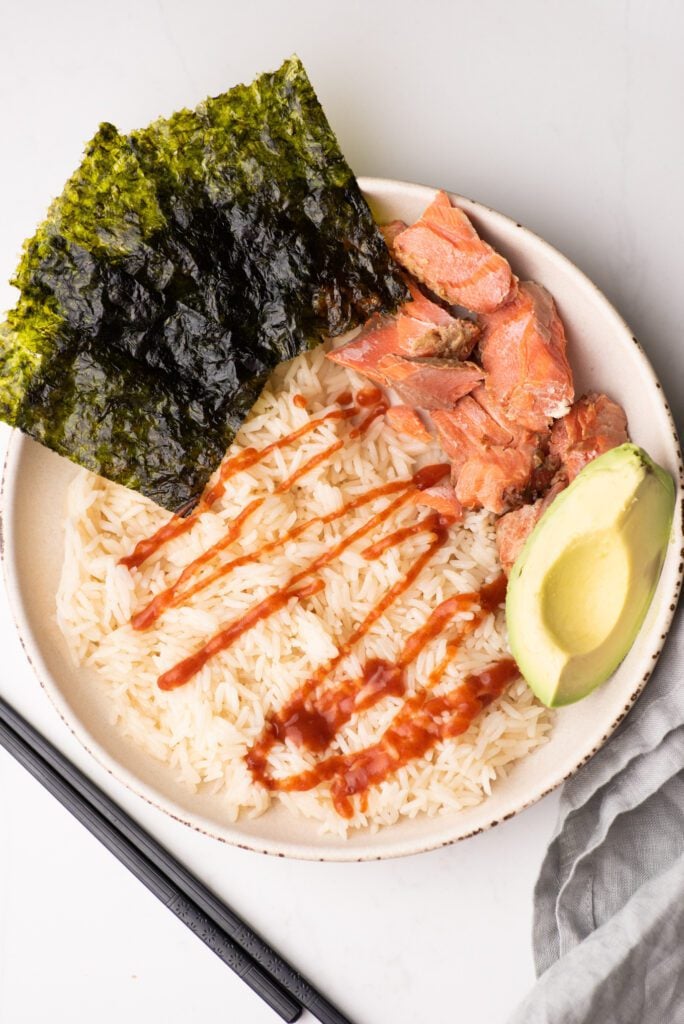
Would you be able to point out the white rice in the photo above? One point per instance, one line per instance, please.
(203, 730)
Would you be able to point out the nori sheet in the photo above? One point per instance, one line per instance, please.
(179, 266)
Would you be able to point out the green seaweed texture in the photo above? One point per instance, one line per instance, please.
(178, 267)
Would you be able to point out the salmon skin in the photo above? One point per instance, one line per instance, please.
(523, 350)
(444, 251)
(593, 426)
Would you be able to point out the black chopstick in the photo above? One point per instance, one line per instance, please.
(227, 934)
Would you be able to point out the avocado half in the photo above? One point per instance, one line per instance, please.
(581, 587)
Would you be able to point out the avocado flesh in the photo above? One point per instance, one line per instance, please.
(581, 587)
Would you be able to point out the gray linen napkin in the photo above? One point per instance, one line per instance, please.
(609, 903)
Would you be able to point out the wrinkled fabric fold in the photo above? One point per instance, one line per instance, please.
(608, 930)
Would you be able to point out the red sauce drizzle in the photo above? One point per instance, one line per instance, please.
(186, 669)
(374, 414)
(434, 523)
(227, 471)
(312, 722)
(313, 715)
(168, 598)
(147, 547)
(174, 595)
(243, 460)
(161, 602)
(306, 467)
(422, 721)
(368, 396)
(152, 611)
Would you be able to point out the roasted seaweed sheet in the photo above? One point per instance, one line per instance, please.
(179, 266)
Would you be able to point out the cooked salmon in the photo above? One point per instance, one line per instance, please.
(420, 307)
(444, 251)
(513, 431)
(476, 435)
(375, 346)
(495, 480)
(455, 339)
(417, 348)
(469, 431)
(426, 329)
(427, 383)
(513, 529)
(494, 422)
(442, 498)
(478, 425)
(523, 351)
(594, 425)
(407, 421)
(391, 230)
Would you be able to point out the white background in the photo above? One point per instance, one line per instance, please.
(567, 117)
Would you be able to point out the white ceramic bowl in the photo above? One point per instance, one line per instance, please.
(605, 356)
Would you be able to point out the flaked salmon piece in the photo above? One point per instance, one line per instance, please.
(427, 329)
(493, 460)
(535, 442)
(428, 382)
(391, 230)
(407, 421)
(420, 307)
(477, 424)
(513, 529)
(442, 498)
(495, 480)
(455, 340)
(431, 383)
(523, 351)
(377, 344)
(467, 431)
(594, 425)
(444, 251)
(422, 328)
(515, 433)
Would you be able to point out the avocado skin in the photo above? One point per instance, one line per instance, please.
(587, 575)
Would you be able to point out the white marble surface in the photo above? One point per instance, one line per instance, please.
(566, 117)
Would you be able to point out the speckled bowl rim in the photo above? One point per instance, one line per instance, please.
(357, 853)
